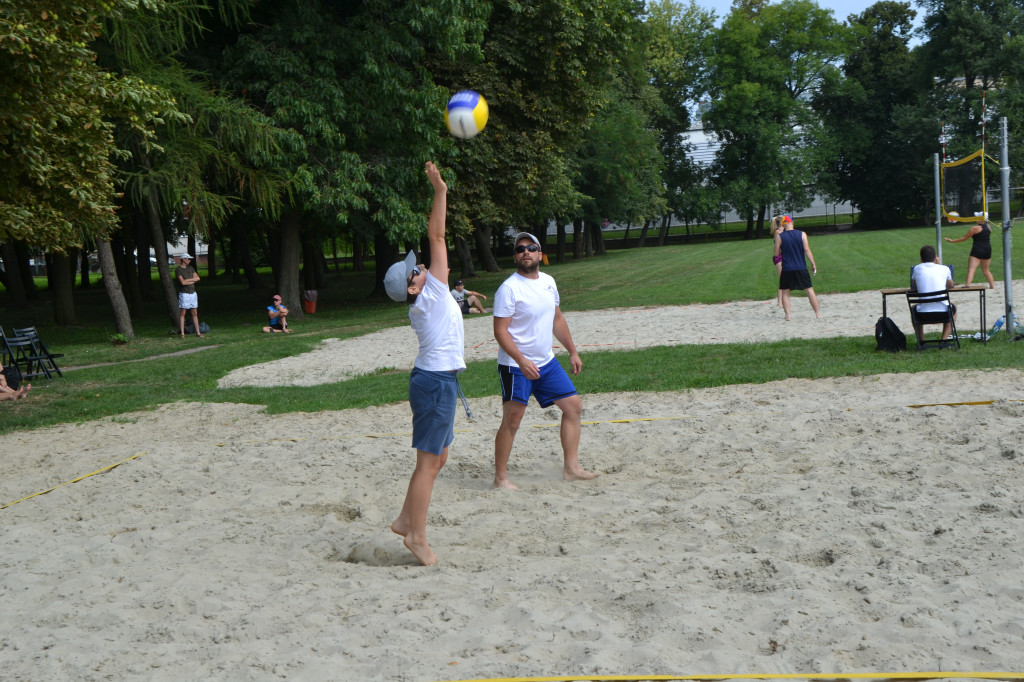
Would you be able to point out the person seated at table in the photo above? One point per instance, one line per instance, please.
(469, 301)
(930, 275)
(278, 316)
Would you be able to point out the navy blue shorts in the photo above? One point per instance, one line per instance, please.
(553, 384)
(432, 396)
(795, 279)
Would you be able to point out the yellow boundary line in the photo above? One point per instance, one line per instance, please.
(772, 676)
(74, 480)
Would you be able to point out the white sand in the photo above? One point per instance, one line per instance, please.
(800, 526)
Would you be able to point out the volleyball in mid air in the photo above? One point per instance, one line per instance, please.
(466, 114)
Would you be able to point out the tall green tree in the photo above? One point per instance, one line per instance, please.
(866, 112)
(766, 63)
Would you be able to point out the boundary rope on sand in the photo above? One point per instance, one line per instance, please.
(75, 480)
(772, 676)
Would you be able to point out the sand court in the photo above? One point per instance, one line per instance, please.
(799, 526)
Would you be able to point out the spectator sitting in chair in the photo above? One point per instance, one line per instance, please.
(278, 316)
(930, 275)
(8, 393)
(469, 301)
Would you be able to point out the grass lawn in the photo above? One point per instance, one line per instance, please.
(672, 275)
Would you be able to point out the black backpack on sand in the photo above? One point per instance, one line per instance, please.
(888, 336)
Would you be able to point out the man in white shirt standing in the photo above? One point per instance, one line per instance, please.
(927, 276)
(433, 382)
(526, 314)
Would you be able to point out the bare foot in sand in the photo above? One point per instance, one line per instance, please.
(504, 483)
(400, 527)
(578, 475)
(422, 551)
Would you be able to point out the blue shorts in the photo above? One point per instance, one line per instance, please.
(553, 384)
(432, 396)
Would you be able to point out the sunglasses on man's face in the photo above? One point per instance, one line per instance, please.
(532, 248)
(415, 273)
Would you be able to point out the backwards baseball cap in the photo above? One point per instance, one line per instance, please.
(458, 282)
(786, 219)
(185, 255)
(396, 281)
(525, 235)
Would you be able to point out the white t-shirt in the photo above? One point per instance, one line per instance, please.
(531, 304)
(931, 277)
(437, 321)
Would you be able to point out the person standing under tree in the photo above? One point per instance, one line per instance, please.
(433, 382)
(187, 297)
(526, 314)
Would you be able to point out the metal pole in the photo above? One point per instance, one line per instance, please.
(938, 210)
(1004, 168)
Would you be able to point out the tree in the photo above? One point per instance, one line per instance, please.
(767, 62)
(57, 107)
(870, 113)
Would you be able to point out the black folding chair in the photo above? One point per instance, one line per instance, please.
(39, 348)
(919, 319)
(25, 357)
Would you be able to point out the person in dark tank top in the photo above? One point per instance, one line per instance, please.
(981, 252)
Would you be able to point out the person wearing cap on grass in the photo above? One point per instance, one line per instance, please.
(794, 249)
(527, 313)
(469, 301)
(278, 316)
(433, 382)
(187, 297)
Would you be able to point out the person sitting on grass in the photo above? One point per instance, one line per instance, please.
(469, 301)
(8, 393)
(278, 316)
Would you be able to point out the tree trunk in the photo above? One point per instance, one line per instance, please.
(291, 247)
(358, 253)
(663, 230)
(211, 255)
(84, 282)
(760, 229)
(750, 226)
(122, 318)
(160, 246)
(560, 237)
(62, 287)
(141, 285)
(577, 239)
(482, 236)
(14, 283)
(599, 247)
(588, 237)
(25, 268)
(643, 233)
(465, 255)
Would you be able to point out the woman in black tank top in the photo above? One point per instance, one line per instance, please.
(981, 252)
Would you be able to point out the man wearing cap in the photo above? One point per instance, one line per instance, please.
(277, 313)
(526, 314)
(187, 298)
(469, 301)
(433, 382)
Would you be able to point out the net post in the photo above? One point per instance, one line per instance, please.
(1004, 171)
(938, 210)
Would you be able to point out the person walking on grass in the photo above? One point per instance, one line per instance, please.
(187, 297)
(526, 314)
(433, 382)
(792, 245)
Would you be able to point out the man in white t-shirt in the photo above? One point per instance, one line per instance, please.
(526, 314)
(433, 382)
(929, 275)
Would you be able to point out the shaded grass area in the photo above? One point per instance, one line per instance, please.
(672, 275)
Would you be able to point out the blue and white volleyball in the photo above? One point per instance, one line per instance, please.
(466, 114)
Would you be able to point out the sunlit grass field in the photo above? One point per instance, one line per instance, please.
(109, 383)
